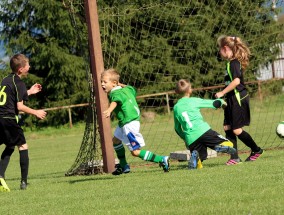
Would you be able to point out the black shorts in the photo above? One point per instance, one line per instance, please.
(11, 134)
(209, 139)
(236, 115)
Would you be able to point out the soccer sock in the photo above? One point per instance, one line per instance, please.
(120, 152)
(5, 158)
(150, 156)
(232, 137)
(24, 164)
(248, 141)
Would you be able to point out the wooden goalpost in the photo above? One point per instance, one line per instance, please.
(97, 67)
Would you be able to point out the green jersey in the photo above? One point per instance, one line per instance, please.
(127, 109)
(189, 123)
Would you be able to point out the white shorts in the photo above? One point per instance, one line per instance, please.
(123, 134)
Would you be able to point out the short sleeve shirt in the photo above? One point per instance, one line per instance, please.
(127, 109)
(236, 72)
(12, 91)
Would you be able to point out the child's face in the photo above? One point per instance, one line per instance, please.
(226, 52)
(107, 84)
(23, 71)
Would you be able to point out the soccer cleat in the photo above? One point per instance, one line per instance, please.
(225, 147)
(3, 186)
(126, 169)
(233, 162)
(119, 170)
(165, 164)
(254, 155)
(193, 161)
(23, 185)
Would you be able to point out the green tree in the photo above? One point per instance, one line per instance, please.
(155, 43)
(56, 44)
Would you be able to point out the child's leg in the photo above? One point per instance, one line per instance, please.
(148, 156)
(120, 151)
(256, 151)
(5, 158)
(232, 137)
(163, 161)
(247, 140)
(198, 153)
(134, 141)
(24, 164)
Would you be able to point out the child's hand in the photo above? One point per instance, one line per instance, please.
(106, 113)
(34, 89)
(41, 114)
(219, 95)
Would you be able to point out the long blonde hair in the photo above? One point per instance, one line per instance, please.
(240, 50)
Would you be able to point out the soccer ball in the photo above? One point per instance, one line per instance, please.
(280, 129)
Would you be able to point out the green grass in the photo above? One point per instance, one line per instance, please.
(249, 188)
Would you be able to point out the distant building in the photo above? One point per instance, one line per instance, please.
(274, 69)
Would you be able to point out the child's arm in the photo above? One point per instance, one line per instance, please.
(178, 129)
(209, 103)
(219, 103)
(38, 113)
(108, 111)
(34, 89)
(229, 88)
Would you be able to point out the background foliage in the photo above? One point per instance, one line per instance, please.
(174, 39)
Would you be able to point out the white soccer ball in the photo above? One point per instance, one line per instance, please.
(280, 129)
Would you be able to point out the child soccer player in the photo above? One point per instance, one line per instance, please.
(13, 93)
(237, 113)
(123, 102)
(190, 126)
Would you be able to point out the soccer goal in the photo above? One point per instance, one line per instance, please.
(155, 43)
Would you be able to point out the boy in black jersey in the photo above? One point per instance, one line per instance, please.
(13, 93)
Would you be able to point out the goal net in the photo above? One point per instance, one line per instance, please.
(153, 44)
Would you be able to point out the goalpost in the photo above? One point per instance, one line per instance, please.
(155, 43)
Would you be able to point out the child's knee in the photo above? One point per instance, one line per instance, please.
(115, 141)
(135, 152)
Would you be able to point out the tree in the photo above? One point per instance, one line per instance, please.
(154, 43)
(56, 45)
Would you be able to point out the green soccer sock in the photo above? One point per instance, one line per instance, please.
(120, 152)
(150, 156)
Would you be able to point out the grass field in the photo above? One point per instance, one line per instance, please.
(249, 188)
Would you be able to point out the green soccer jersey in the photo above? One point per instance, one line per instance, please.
(127, 109)
(189, 123)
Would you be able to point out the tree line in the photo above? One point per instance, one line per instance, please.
(53, 34)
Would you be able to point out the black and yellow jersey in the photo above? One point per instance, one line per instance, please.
(12, 90)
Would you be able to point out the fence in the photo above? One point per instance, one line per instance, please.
(259, 94)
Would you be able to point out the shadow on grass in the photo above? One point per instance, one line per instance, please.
(91, 179)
